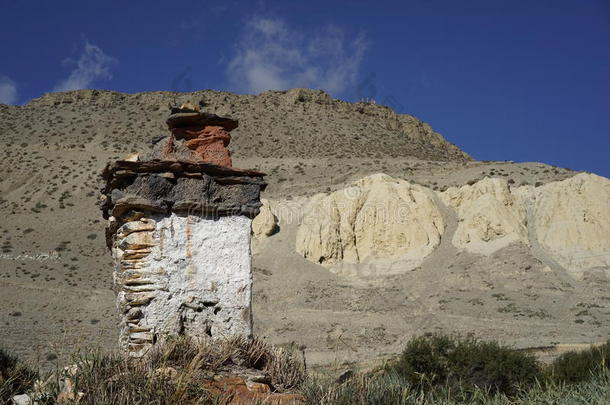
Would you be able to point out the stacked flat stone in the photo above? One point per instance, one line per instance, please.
(179, 225)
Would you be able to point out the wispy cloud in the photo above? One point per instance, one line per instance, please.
(92, 64)
(8, 91)
(272, 56)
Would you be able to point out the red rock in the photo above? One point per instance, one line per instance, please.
(168, 149)
(211, 145)
(236, 391)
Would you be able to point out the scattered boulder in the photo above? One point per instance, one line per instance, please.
(22, 399)
(490, 217)
(376, 217)
(169, 373)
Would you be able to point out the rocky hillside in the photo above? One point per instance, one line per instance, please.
(295, 123)
(386, 258)
(56, 281)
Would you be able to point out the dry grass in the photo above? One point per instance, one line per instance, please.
(172, 373)
(176, 372)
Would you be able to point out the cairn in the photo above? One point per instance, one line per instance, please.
(179, 226)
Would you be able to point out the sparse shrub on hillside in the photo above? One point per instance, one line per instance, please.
(575, 367)
(465, 364)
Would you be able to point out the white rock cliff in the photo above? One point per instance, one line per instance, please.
(376, 217)
(571, 219)
(380, 219)
(489, 216)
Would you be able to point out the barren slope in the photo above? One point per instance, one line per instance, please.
(54, 147)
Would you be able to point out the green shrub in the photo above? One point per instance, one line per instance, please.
(574, 367)
(15, 377)
(464, 364)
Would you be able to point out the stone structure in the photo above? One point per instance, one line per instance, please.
(205, 134)
(179, 225)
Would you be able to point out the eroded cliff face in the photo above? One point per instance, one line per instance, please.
(396, 224)
(376, 217)
(571, 221)
(489, 216)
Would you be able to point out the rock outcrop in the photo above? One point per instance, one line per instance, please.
(265, 223)
(381, 218)
(376, 217)
(571, 219)
(489, 216)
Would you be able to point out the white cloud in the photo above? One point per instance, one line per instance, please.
(8, 91)
(271, 56)
(92, 64)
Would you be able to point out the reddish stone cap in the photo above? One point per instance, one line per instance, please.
(185, 118)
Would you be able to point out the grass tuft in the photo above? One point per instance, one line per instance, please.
(15, 376)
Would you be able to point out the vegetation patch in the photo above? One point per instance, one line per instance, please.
(433, 369)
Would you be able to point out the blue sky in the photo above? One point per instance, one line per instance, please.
(504, 80)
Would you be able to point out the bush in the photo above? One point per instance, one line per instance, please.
(580, 366)
(15, 377)
(465, 364)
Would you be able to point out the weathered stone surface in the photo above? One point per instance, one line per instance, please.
(143, 224)
(169, 149)
(202, 188)
(489, 216)
(210, 143)
(137, 240)
(571, 219)
(194, 277)
(376, 217)
(265, 223)
(206, 134)
(238, 391)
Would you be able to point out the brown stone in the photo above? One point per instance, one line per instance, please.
(183, 118)
(210, 143)
(169, 373)
(187, 133)
(236, 391)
